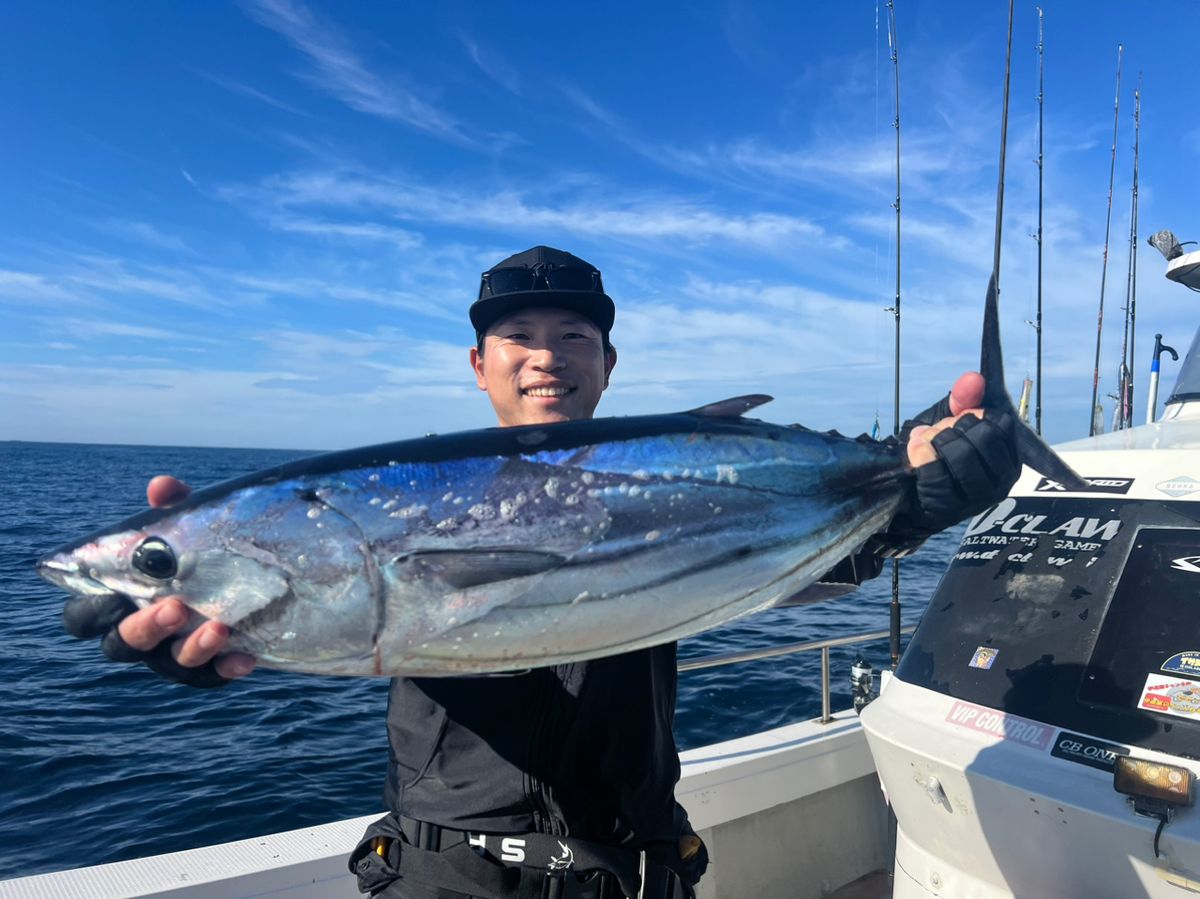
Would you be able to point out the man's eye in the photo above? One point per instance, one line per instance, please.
(573, 335)
(516, 335)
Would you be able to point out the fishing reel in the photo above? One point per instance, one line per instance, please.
(862, 684)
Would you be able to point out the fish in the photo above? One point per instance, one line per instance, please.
(502, 549)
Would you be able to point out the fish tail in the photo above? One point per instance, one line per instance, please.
(1031, 449)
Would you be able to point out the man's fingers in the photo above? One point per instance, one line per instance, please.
(201, 645)
(920, 440)
(165, 490)
(967, 393)
(920, 451)
(148, 627)
(93, 616)
(234, 665)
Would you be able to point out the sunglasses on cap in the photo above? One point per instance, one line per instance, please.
(500, 281)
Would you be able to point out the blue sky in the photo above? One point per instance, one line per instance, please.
(262, 223)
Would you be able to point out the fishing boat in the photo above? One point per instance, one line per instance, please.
(1040, 736)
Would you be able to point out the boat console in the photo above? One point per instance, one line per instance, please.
(1041, 734)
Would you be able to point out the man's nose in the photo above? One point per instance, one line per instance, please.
(545, 359)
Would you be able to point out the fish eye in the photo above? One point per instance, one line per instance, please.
(155, 558)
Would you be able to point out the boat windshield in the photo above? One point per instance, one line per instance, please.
(1076, 612)
(1187, 385)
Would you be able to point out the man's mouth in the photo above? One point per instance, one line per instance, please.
(547, 391)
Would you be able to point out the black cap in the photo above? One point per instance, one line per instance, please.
(542, 276)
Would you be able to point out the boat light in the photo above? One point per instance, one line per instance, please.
(1155, 789)
(1158, 784)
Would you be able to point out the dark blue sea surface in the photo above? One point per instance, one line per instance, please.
(103, 761)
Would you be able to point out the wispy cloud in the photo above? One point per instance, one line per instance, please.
(830, 163)
(116, 277)
(397, 237)
(144, 232)
(595, 212)
(29, 287)
(834, 161)
(491, 64)
(92, 329)
(342, 74)
(291, 287)
(237, 87)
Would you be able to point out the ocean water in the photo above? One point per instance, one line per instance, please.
(101, 761)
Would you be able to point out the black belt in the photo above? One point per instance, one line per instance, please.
(545, 866)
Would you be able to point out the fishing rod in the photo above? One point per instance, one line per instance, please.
(1003, 146)
(1041, 166)
(1107, 227)
(1123, 415)
(893, 45)
(1123, 418)
(1137, 127)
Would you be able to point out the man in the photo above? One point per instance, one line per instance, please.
(507, 786)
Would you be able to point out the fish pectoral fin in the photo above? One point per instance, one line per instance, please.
(734, 407)
(462, 569)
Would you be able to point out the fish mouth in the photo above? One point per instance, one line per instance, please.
(68, 574)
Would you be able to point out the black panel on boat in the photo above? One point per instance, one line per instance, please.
(1083, 613)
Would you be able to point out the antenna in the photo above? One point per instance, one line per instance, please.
(1107, 227)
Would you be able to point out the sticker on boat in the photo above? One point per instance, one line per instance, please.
(1011, 728)
(984, 657)
(1183, 663)
(1095, 485)
(1180, 486)
(1171, 696)
(1088, 751)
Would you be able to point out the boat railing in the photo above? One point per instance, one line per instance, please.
(787, 649)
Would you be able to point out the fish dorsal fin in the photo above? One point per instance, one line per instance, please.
(734, 407)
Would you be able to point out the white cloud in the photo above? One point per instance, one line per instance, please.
(398, 237)
(29, 287)
(238, 87)
(345, 76)
(491, 64)
(600, 213)
(91, 329)
(144, 232)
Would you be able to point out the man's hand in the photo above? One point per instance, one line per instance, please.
(964, 461)
(141, 635)
(964, 398)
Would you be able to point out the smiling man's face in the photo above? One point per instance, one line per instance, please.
(542, 365)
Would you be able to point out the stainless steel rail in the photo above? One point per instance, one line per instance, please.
(771, 652)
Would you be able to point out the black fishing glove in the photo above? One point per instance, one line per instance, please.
(98, 616)
(975, 468)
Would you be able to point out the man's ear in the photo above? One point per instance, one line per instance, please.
(610, 362)
(477, 364)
